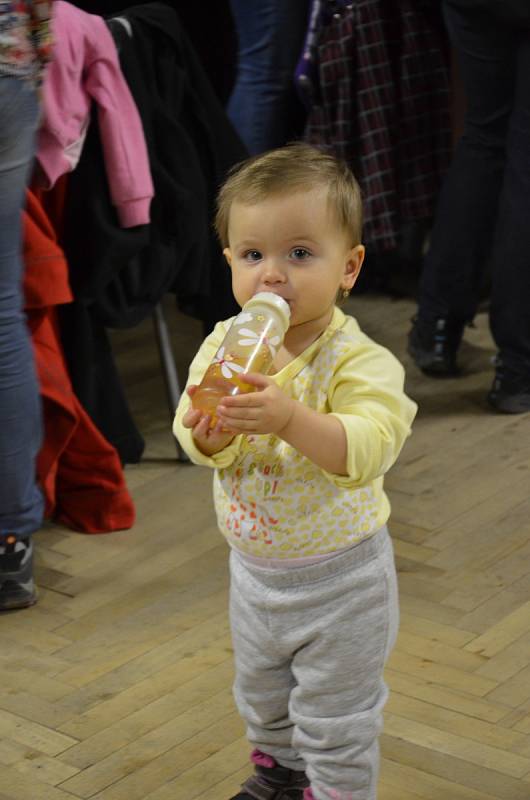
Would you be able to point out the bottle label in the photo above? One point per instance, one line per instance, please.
(259, 331)
(250, 345)
(227, 364)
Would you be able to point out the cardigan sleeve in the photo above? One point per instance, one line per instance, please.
(367, 396)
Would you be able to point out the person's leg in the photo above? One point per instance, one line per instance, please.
(264, 106)
(510, 293)
(464, 227)
(321, 640)
(340, 693)
(21, 502)
(262, 687)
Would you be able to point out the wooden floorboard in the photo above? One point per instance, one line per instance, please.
(117, 684)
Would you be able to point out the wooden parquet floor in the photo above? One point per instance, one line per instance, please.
(116, 686)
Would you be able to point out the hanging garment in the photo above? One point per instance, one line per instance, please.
(84, 69)
(119, 276)
(383, 106)
(79, 471)
(191, 145)
(98, 251)
(212, 35)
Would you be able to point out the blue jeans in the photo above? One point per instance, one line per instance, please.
(482, 215)
(21, 502)
(264, 105)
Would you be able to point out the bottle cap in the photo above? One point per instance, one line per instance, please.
(273, 301)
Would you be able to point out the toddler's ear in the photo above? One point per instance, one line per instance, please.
(353, 267)
(228, 255)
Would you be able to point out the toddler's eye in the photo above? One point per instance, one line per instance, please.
(300, 253)
(252, 255)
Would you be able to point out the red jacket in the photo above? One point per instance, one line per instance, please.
(79, 471)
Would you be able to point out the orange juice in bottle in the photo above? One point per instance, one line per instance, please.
(250, 345)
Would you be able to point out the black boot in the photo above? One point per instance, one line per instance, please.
(17, 587)
(510, 392)
(273, 783)
(433, 345)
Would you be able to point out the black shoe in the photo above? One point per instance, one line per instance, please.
(17, 587)
(433, 345)
(273, 783)
(510, 392)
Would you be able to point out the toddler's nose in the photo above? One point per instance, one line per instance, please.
(273, 273)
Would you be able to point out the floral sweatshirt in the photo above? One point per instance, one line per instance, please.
(25, 38)
(273, 502)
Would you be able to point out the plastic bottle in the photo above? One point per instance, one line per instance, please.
(250, 345)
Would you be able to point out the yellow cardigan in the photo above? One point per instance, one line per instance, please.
(273, 502)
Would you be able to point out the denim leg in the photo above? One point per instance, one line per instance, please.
(264, 105)
(21, 502)
(510, 295)
(463, 232)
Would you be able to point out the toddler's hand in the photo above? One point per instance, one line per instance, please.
(208, 441)
(268, 410)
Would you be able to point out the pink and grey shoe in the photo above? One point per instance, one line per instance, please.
(271, 781)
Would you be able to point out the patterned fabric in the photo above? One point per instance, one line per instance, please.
(273, 502)
(25, 38)
(383, 106)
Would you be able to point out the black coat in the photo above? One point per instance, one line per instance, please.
(210, 28)
(119, 275)
(191, 146)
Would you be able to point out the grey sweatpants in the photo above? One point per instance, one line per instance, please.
(310, 646)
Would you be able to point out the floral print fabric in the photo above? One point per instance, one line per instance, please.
(25, 38)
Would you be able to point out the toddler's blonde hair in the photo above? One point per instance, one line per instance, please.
(296, 167)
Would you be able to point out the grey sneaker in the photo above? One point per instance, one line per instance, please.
(17, 587)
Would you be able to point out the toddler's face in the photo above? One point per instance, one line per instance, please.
(291, 244)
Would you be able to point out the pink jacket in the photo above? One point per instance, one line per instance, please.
(85, 67)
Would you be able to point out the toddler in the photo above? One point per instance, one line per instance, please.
(298, 485)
